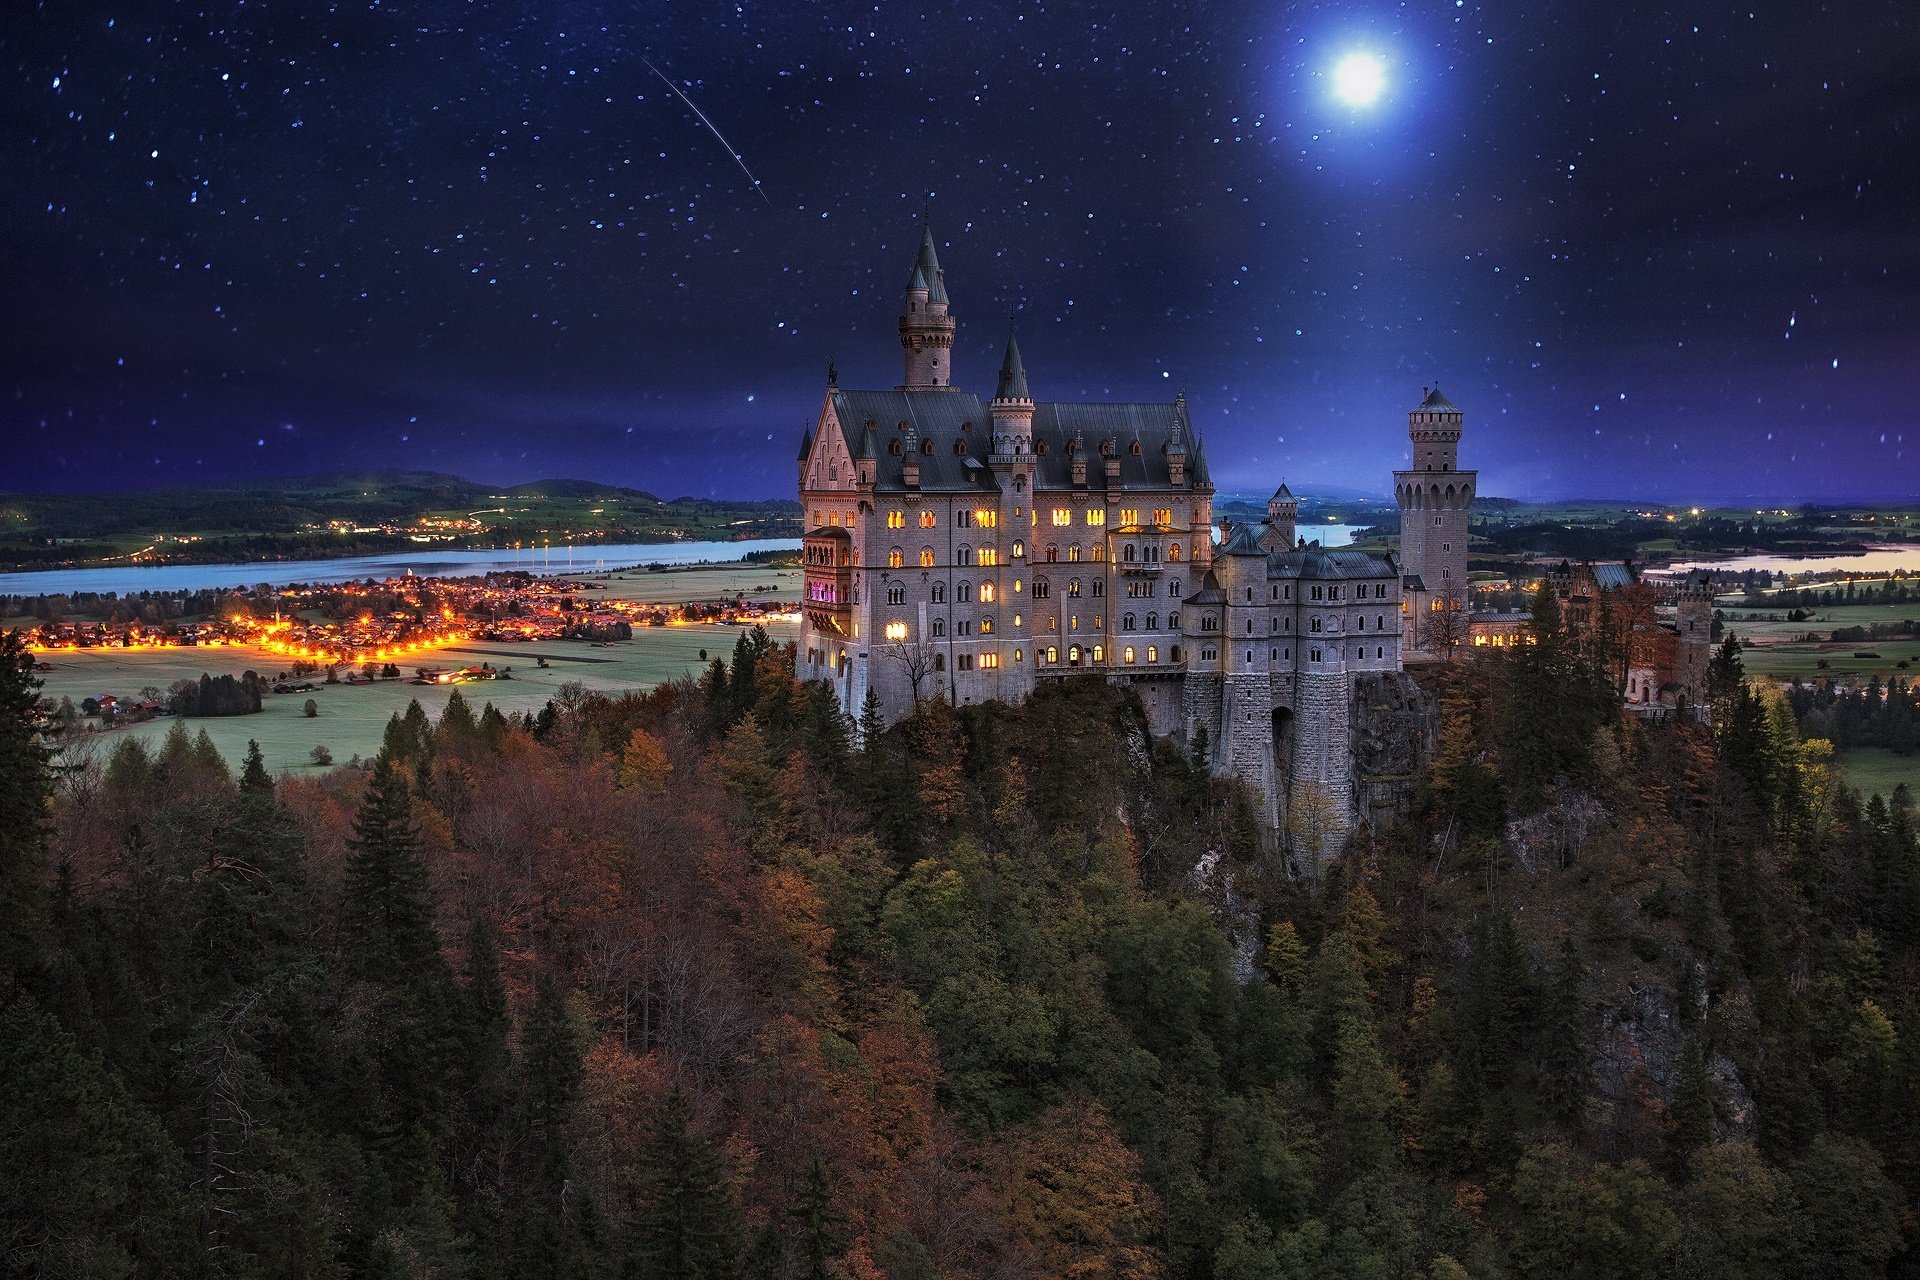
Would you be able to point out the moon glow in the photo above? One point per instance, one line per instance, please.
(1358, 79)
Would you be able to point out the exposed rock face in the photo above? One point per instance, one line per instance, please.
(1394, 732)
(1547, 840)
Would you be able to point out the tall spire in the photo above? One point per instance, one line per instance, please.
(1013, 374)
(926, 268)
(926, 330)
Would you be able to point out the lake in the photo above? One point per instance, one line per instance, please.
(429, 563)
(424, 563)
(1879, 560)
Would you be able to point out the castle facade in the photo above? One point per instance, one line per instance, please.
(969, 549)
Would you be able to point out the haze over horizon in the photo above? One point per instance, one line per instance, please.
(1662, 253)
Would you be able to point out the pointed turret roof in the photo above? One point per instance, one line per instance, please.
(1201, 475)
(866, 449)
(1013, 374)
(1438, 403)
(806, 443)
(1282, 494)
(926, 268)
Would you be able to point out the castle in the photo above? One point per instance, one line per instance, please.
(970, 549)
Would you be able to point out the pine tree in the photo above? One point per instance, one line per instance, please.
(25, 791)
(687, 1227)
(254, 779)
(818, 1227)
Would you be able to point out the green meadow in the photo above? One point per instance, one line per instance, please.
(352, 718)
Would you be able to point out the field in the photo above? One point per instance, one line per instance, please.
(353, 717)
(1874, 770)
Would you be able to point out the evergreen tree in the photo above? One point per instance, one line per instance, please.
(687, 1227)
(25, 788)
(254, 779)
(819, 1238)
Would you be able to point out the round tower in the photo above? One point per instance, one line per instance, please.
(1436, 505)
(1012, 407)
(926, 330)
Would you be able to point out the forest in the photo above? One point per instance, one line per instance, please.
(710, 982)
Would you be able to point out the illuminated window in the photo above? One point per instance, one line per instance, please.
(1073, 554)
(1073, 589)
(986, 626)
(1062, 517)
(926, 557)
(1127, 655)
(896, 631)
(1019, 549)
(989, 555)
(986, 593)
(1129, 515)
(991, 661)
(1099, 653)
(895, 559)
(896, 519)
(1073, 622)
(1019, 655)
(1096, 515)
(1016, 620)
(1173, 552)
(1099, 551)
(1163, 516)
(928, 520)
(1053, 653)
(1153, 653)
(987, 519)
(1016, 586)
(849, 519)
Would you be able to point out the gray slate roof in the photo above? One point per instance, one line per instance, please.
(945, 417)
(1013, 374)
(1437, 403)
(1314, 564)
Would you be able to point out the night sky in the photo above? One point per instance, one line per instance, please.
(1662, 250)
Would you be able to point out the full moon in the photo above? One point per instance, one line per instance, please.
(1358, 79)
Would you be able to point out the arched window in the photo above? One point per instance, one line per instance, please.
(963, 556)
(959, 447)
(1315, 626)
(964, 593)
(926, 446)
(1073, 655)
(1053, 654)
(1135, 451)
(1073, 589)
(1019, 549)
(1099, 653)
(1073, 554)
(893, 447)
(1173, 654)
(1127, 655)
(986, 593)
(1173, 588)
(939, 595)
(1041, 589)
(1173, 552)
(1127, 553)
(1099, 551)
(939, 662)
(1153, 653)
(1099, 587)
(1053, 554)
(1153, 622)
(1126, 622)
(926, 557)
(939, 626)
(895, 559)
(1153, 553)
(896, 595)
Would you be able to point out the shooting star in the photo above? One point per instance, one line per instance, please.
(710, 129)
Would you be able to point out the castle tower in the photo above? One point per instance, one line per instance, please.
(1245, 740)
(1012, 409)
(926, 330)
(1283, 510)
(1436, 501)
